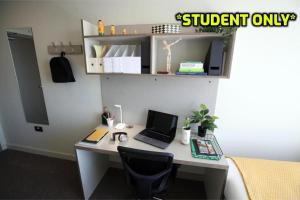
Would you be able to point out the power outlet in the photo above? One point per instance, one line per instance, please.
(38, 128)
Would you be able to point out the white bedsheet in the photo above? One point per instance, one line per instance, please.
(234, 189)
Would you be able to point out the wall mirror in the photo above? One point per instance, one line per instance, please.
(28, 76)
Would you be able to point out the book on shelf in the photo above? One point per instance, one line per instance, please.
(190, 66)
(195, 70)
(192, 73)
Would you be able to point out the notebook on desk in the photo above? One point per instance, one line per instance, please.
(95, 136)
(160, 129)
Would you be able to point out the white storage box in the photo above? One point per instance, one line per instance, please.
(107, 59)
(123, 59)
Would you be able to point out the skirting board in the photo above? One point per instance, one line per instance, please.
(184, 172)
(43, 152)
(3, 146)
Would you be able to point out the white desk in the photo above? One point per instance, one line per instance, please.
(93, 161)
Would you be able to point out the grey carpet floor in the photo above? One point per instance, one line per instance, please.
(30, 176)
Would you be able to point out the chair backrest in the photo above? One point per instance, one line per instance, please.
(147, 171)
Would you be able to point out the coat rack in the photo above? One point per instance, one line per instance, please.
(68, 49)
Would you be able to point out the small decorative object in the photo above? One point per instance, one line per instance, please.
(186, 131)
(112, 30)
(162, 72)
(204, 120)
(135, 32)
(166, 29)
(167, 47)
(120, 125)
(105, 115)
(124, 31)
(101, 27)
(217, 29)
(129, 126)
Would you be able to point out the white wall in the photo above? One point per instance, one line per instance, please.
(258, 103)
(259, 106)
(73, 108)
(175, 95)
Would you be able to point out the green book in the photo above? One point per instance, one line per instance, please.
(192, 69)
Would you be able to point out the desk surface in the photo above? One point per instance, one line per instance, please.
(182, 153)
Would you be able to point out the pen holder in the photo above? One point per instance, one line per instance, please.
(110, 123)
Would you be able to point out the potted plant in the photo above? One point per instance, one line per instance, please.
(186, 131)
(204, 120)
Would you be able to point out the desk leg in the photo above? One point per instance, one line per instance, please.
(215, 180)
(92, 167)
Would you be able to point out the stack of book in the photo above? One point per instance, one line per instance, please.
(191, 68)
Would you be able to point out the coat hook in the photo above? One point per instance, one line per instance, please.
(72, 49)
(55, 47)
(62, 46)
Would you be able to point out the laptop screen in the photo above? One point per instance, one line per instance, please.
(162, 123)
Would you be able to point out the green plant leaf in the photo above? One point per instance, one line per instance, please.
(208, 117)
(195, 112)
(204, 112)
(203, 107)
(187, 123)
(211, 129)
(215, 117)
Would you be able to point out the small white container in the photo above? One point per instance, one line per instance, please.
(185, 136)
(110, 123)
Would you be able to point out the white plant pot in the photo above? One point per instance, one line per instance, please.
(185, 136)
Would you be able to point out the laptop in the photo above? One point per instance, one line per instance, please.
(160, 129)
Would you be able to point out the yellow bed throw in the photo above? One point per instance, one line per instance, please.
(270, 180)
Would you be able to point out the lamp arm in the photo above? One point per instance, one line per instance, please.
(121, 115)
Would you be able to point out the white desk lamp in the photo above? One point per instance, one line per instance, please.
(120, 125)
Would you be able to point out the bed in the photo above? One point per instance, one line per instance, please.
(235, 188)
(262, 179)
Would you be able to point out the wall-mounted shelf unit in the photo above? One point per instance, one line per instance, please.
(147, 50)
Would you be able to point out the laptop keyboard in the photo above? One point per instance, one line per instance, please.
(155, 135)
(151, 141)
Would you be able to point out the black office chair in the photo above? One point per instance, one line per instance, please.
(148, 172)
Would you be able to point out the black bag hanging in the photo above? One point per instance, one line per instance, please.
(61, 70)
